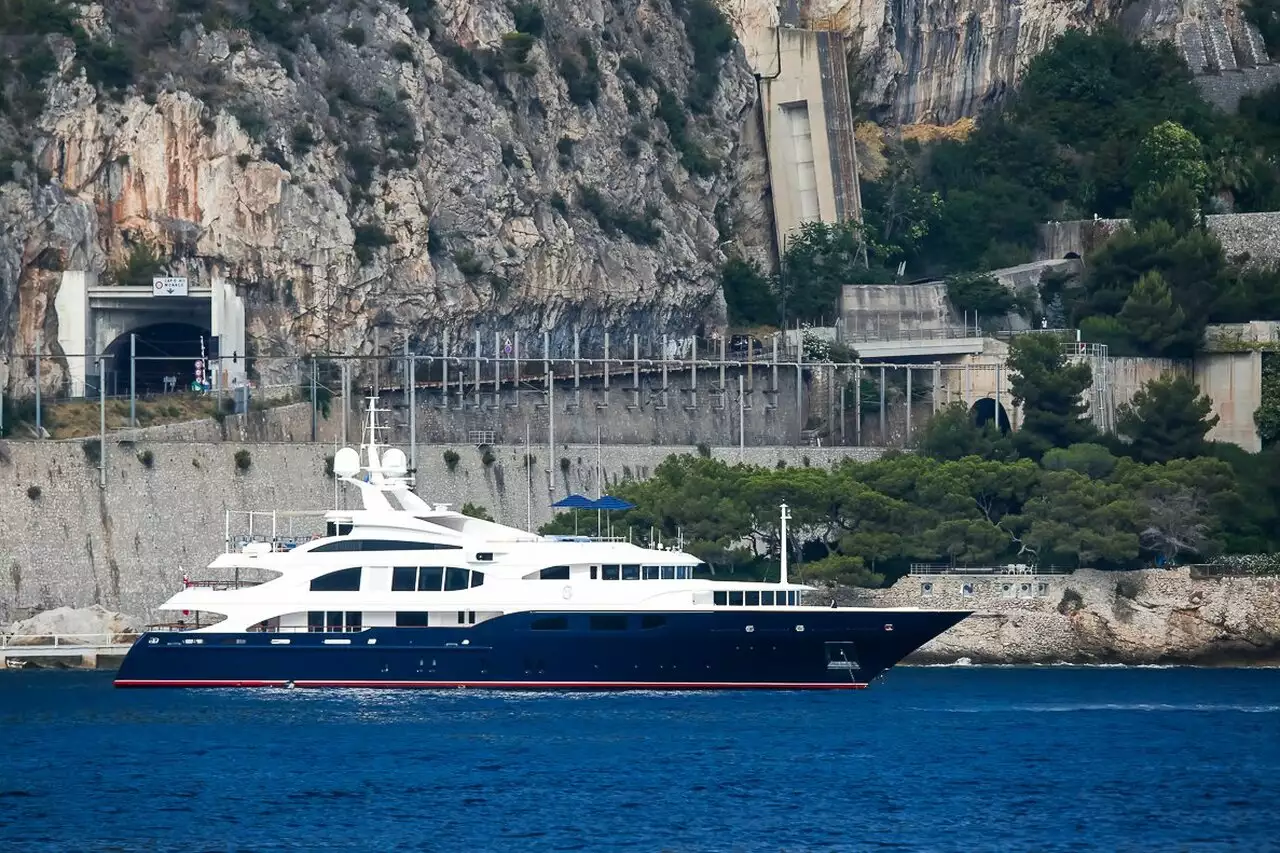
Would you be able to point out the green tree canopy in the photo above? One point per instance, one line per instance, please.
(1168, 419)
(1051, 393)
(866, 522)
(1168, 153)
(1152, 321)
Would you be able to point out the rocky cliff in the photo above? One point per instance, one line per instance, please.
(432, 164)
(924, 61)
(1142, 617)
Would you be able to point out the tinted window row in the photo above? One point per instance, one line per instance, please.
(381, 545)
(334, 620)
(421, 618)
(632, 572)
(600, 622)
(757, 598)
(433, 579)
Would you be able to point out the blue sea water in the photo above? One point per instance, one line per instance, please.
(935, 759)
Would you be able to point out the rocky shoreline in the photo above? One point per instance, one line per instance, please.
(1153, 616)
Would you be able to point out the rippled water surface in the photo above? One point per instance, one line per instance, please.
(929, 759)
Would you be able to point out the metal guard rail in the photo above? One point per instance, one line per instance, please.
(7, 641)
(1013, 570)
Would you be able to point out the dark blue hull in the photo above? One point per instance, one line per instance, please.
(781, 649)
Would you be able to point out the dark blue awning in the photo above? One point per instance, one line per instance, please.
(609, 502)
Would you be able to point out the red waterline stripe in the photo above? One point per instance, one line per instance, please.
(633, 685)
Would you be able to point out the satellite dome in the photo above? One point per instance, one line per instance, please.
(394, 463)
(346, 462)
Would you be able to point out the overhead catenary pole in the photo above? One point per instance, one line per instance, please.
(133, 379)
(444, 367)
(742, 424)
(102, 424)
(413, 416)
(39, 419)
(346, 399)
(314, 405)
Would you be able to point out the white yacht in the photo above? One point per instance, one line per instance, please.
(405, 593)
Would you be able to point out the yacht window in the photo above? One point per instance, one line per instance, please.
(652, 620)
(551, 623)
(766, 598)
(381, 545)
(781, 599)
(462, 617)
(555, 573)
(411, 619)
(753, 598)
(735, 598)
(315, 620)
(651, 573)
(355, 620)
(631, 573)
(471, 617)
(477, 578)
(430, 578)
(791, 599)
(403, 578)
(595, 571)
(455, 579)
(343, 580)
(609, 622)
(668, 573)
(720, 597)
(484, 557)
(685, 572)
(333, 621)
(611, 573)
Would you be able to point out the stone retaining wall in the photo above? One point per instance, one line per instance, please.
(126, 547)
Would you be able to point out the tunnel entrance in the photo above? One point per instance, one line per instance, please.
(987, 411)
(163, 350)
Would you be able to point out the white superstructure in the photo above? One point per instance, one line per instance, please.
(402, 562)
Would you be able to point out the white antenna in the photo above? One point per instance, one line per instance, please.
(786, 516)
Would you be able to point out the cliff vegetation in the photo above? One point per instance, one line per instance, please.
(1056, 493)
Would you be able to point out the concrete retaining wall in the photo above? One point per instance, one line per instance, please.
(67, 542)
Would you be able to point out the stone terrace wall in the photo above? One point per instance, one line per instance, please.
(1257, 234)
(127, 547)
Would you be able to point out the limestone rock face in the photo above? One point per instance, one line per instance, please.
(356, 165)
(92, 624)
(1141, 617)
(925, 61)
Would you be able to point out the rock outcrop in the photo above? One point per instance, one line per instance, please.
(428, 166)
(92, 624)
(1142, 617)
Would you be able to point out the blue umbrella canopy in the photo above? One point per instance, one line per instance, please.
(610, 502)
(575, 502)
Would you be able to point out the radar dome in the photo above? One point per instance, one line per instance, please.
(394, 463)
(346, 462)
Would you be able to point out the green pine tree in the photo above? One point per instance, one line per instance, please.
(1153, 322)
(1168, 419)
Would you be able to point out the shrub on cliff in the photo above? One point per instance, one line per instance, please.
(476, 511)
(243, 461)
